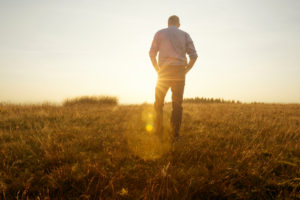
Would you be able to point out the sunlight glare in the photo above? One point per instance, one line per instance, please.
(149, 127)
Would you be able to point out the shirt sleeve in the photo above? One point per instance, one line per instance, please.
(190, 48)
(154, 47)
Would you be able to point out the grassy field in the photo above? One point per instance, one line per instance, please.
(90, 150)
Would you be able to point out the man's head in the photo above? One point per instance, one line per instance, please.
(174, 21)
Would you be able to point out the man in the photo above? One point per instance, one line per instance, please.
(172, 44)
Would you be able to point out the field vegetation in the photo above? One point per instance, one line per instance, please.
(94, 148)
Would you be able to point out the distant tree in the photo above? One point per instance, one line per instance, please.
(208, 100)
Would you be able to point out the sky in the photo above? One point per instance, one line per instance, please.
(50, 50)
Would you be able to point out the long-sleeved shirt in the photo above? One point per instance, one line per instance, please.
(172, 44)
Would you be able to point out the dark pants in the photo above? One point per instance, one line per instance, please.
(169, 77)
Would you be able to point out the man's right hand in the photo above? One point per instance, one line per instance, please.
(190, 65)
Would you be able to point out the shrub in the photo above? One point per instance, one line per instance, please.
(91, 100)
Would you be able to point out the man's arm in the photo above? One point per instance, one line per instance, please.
(191, 51)
(153, 52)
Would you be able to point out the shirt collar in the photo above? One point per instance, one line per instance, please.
(173, 26)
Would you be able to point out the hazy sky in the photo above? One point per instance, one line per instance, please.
(54, 49)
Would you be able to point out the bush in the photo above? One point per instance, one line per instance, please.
(91, 100)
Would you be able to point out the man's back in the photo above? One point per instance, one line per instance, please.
(172, 44)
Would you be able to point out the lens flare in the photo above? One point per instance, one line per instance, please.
(148, 118)
(149, 127)
(145, 144)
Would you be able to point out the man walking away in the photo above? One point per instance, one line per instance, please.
(172, 44)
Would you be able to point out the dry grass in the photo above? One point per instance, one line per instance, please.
(227, 151)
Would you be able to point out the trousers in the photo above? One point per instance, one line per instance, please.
(169, 77)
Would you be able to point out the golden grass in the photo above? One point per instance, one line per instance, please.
(227, 151)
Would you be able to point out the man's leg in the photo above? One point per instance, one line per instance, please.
(160, 93)
(177, 88)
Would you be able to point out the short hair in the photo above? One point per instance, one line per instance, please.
(173, 20)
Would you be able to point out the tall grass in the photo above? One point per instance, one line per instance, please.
(226, 151)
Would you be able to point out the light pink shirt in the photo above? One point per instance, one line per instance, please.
(172, 44)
